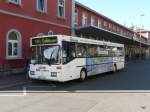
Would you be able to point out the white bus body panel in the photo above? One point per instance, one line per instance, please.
(72, 70)
(44, 72)
(120, 62)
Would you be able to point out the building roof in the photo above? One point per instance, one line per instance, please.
(102, 34)
(145, 31)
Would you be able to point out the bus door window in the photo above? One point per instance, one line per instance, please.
(68, 52)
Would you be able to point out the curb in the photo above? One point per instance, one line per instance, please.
(15, 84)
(5, 76)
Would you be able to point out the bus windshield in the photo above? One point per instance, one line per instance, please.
(45, 54)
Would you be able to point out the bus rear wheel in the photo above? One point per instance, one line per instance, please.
(83, 75)
(115, 68)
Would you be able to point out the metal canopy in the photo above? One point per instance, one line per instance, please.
(102, 34)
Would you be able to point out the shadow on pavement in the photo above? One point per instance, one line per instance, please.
(135, 76)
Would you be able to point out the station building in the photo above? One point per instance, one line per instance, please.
(145, 34)
(22, 19)
(92, 24)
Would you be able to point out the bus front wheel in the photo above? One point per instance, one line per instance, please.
(83, 75)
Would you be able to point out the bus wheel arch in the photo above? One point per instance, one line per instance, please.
(83, 74)
(115, 67)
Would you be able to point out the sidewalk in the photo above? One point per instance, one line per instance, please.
(77, 102)
(10, 80)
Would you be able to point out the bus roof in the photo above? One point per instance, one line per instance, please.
(81, 40)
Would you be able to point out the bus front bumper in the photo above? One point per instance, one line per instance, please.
(54, 76)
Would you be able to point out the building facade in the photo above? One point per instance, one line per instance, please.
(91, 24)
(22, 19)
(146, 35)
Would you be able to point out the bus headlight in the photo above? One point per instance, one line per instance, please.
(53, 74)
(59, 67)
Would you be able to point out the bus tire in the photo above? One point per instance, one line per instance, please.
(115, 68)
(83, 75)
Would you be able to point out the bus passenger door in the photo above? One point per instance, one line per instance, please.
(69, 60)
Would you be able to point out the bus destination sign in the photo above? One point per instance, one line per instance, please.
(44, 40)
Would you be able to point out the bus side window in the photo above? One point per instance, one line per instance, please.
(81, 50)
(92, 50)
(120, 51)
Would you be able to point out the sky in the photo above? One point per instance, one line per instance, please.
(125, 12)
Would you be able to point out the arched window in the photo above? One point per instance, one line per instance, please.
(50, 32)
(14, 45)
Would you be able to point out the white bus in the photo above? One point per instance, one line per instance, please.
(64, 58)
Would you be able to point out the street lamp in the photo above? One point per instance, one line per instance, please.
(141, 15)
